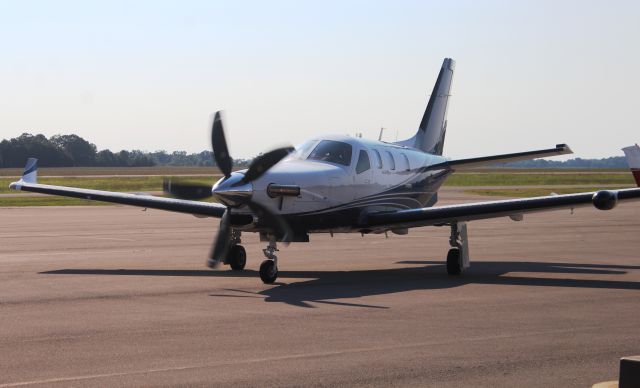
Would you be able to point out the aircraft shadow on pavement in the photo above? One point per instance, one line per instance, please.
(328, 286)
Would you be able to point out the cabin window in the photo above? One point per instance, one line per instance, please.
(392, 162)
(363, 162)
(333, 152)
(406, 161)
(378, 158)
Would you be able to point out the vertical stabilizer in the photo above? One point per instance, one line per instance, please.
(433, 127)
(633, 158)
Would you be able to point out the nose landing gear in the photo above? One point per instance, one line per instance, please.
(269, 267)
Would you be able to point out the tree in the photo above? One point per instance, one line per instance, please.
(16, 151)
(106, 158)
(81, 151)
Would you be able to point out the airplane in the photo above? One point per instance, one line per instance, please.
(340, 184)
(633, 158)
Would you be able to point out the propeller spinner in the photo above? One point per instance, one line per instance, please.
(234, 190)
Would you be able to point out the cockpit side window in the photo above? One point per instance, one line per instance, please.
(363, 162)
(392, 162)
(377, 157)
(333, 152)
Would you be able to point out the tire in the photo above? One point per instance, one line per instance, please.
(268, 271)
(454, 266)
(237, 258)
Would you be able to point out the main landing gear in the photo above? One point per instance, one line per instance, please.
(237, 256)
(269, 267)
(458, 256)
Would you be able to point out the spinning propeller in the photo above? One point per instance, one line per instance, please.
(234, 190)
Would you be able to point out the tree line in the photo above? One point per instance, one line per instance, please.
(74, 151)
(611, 162)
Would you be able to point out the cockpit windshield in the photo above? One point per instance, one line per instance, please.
(303, 149)
(333, 152)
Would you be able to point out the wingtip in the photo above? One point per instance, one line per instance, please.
(30, 173)
(564, 148)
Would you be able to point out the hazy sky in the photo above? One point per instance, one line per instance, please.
(148, 75)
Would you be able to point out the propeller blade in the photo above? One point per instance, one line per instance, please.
(219, 146)
(264, 162)
(184, 190)
(220, 247)
(283, 229)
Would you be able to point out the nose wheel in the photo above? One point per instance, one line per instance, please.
(269, 267)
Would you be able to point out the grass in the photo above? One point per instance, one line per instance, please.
(534, 192)
(94, 171)
(538, 179)
(124, 184)
(113, 183)
(52, 200)
(154, 183)
(47, 201)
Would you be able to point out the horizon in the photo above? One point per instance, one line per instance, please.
(567, 158)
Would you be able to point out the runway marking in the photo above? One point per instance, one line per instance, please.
(287, 357)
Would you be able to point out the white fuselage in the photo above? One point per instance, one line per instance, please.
(394, 178)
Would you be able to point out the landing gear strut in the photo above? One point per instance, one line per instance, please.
(269, 267)
(458, 256)
(237, 256)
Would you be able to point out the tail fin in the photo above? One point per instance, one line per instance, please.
(29, 175)
(633, 158)
(433, 127)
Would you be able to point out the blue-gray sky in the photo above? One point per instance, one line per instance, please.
(148, 74)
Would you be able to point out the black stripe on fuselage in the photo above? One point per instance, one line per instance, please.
(421, 193)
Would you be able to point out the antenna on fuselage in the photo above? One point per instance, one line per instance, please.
(380, 135)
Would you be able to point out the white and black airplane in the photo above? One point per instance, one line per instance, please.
(340, 184)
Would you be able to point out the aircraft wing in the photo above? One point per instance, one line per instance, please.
(29, 183)
(464, 164)
(440, 215)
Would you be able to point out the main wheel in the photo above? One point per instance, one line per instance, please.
(268, 271)
(454, 265)
(237, 258)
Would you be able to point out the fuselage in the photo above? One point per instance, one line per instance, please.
(340, 179)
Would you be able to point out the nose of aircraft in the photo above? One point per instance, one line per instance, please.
(231, 191)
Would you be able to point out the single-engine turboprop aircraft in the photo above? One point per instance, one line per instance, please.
(340, 184)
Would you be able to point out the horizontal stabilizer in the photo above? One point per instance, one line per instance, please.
(463, 164)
